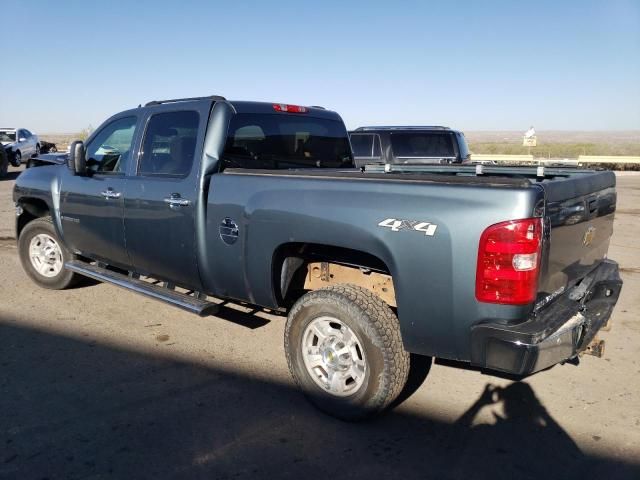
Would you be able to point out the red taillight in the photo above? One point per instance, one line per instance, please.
(509, 261)
(281, 107)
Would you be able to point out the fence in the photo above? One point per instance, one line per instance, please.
(590, 160)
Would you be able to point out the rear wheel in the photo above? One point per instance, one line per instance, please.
(43, 256)
(345, 352)
(37, 150)
(17, 159)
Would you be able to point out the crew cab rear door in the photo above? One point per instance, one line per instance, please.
(161, 196)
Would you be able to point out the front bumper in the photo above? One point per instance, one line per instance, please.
(558, 332)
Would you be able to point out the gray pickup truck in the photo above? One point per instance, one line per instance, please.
(193, 200)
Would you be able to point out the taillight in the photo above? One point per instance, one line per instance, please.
(281, 107)
(509, 261)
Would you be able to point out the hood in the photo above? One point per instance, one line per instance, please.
(55, 158)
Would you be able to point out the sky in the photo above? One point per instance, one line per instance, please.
(501, 65)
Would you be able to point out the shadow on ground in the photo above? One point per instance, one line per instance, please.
(10, 176)
(75, 409)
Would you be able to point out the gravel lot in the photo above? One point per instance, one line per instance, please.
(97, 382)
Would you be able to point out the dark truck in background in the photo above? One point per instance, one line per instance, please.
(183, 200)
(408, 145)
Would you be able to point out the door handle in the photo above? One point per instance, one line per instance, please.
(175, 201)
(109, 193)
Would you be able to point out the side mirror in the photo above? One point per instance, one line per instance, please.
(22, 139)
(77, 162)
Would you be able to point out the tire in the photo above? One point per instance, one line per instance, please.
(55, 276)
(37, 150)
(378, 346)
(17, 159)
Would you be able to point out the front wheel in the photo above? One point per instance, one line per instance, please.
(43, 256)
(345, 352)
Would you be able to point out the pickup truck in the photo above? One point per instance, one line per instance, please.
(408, 145)
(193, 200)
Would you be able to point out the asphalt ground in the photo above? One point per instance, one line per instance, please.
(97, 382)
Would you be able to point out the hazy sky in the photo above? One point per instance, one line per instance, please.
(473, 65)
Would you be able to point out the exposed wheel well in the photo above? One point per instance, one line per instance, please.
(32, 208)
(300, 267)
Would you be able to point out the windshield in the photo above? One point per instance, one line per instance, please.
(7, 136)
(422, 145)
(277, 141)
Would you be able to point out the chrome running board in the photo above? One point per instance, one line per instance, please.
(186, 301)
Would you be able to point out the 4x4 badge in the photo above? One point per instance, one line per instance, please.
(429, 229)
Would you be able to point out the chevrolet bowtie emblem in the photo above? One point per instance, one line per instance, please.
(589, 235)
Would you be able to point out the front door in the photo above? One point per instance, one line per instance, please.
(92, 205)
(161, 197)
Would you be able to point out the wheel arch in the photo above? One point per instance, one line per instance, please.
(290, 264)
(32, 208)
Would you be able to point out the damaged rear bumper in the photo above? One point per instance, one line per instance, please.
(558, 332)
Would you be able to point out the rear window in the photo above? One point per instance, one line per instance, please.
(280, 141)
(422, 145)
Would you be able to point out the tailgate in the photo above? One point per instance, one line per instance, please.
(579, 213)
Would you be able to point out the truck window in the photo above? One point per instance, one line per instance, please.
(365, 145)
(109, 150)
(276, 141)
(422, 145)
(169, 144)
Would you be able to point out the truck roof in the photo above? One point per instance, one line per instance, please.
(243, 106)
(401, 127)
(267, 107)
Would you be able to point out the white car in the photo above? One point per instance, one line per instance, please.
(19, 144)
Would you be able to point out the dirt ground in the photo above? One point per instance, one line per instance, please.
(97, 382)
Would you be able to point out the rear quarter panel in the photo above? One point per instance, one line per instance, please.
(434, 276)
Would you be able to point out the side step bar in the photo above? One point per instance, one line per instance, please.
(181, 300)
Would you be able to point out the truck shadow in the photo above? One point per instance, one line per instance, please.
(10, 176)
(76, 407)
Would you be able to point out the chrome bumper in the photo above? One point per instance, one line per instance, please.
(558, 333)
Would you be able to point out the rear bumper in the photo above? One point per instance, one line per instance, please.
(558, 332)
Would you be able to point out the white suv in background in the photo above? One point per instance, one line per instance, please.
(19, 143)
